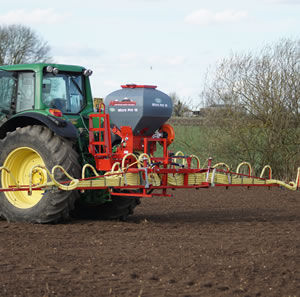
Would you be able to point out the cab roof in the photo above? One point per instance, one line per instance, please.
(38, 67)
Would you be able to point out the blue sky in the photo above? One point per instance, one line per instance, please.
(168, 43)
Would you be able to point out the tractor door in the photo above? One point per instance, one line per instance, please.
(7, 90)
(25, 91)
(16, 92)
(8, 83)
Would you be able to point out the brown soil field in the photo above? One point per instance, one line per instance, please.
(210, 242)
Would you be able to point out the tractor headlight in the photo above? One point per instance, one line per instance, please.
(50, 69)
(87, 72)
(55, 71)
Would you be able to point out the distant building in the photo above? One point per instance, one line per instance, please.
(202, 112)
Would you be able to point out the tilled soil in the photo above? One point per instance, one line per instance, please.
(210, 242)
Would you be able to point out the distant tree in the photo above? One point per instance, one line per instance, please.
(21, 44)
(180, 108)
(260, 118)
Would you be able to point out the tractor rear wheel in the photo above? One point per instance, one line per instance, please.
(118, 208)
(20, 151)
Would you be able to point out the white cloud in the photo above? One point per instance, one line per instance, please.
(36, 16)
(176, 60)
(206, 17)
(129, 58)
(165, 60)
(289, 2)
(72, 60)
(111, 84)
(132, 58)
(77, 49)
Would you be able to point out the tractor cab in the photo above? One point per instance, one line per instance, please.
(63, 90)
(42, 93)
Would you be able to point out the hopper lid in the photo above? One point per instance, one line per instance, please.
(134, 86)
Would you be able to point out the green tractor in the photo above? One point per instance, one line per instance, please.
(44, 118)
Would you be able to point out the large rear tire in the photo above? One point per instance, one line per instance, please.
(20, 151)
(118, 208)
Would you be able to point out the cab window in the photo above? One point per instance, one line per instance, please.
(8, 83)
(64, 91)
(25, 91)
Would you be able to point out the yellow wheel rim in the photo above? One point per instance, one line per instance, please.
(20, 162)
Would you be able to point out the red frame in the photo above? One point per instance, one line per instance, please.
(131, 143)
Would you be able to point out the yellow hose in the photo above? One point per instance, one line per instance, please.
(242, 164)
(221, 165)
(88, 166)
(72, 186)
(196, 178)
(263, 171)
(9, 172)
(115, 176)
(131, 179)
(197, 159)
(176, 179)
(119, 176)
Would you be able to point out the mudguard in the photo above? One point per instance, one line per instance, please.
(59, 126)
